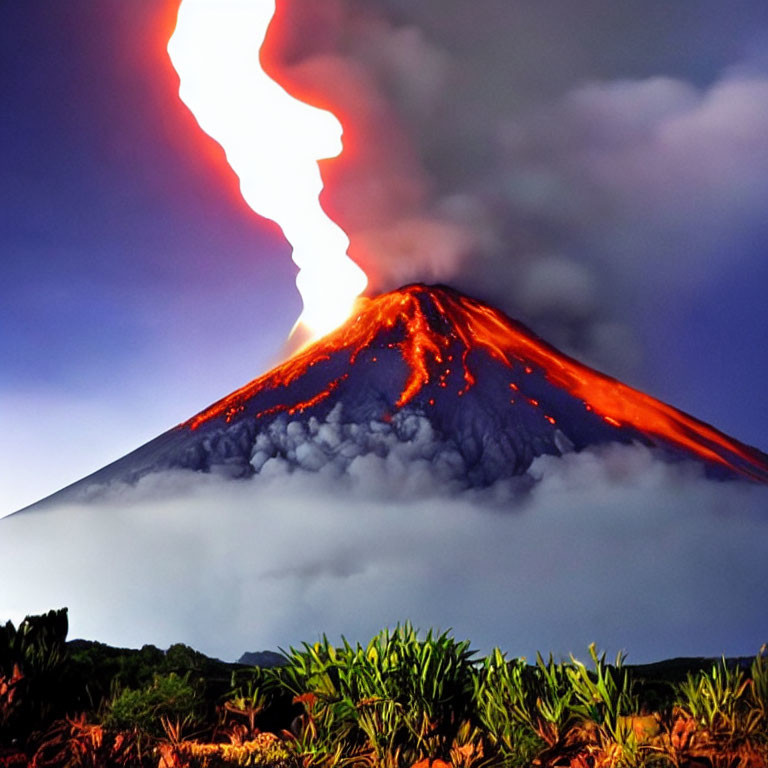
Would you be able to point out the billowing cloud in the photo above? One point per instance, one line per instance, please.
(609, 546)
(679, 173)
(472, 159)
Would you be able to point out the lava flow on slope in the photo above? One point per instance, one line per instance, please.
(441, 348)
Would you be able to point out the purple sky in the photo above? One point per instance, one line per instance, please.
(138, 288)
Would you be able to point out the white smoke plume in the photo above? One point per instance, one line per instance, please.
(609, 546)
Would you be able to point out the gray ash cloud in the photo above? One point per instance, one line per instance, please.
(572, 166)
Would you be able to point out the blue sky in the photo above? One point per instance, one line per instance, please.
(138, 287)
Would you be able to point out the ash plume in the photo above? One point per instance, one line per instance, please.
(488, 147)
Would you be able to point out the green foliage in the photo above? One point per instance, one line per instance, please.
(758, 690)
(399, 695)
(38, 645)
(507, 707)
(94, 670)
(146, 710)
(546, 701)
(718, 699)
(396, 700)
(607, 697)
(246, 701)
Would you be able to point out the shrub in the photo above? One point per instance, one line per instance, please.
(715, 699)
(758, 687)
(516, 707)
(78, 743)
(31, 663)
(512, 695)
(399, 694)
(607, 697)
(169, 697)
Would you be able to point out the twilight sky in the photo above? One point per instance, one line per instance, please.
(599, 171)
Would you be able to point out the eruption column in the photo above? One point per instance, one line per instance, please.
(272, 142)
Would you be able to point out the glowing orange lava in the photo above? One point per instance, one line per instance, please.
(272, 141)
(434, 320)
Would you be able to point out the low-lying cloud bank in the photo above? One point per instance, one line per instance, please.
(611, 546)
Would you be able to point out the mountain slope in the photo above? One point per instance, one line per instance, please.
(479, 394)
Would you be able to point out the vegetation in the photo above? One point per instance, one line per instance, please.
(403, 699)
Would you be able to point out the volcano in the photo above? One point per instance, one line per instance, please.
(480, 394)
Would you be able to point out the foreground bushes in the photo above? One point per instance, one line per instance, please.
(31, 670)
(399, 700)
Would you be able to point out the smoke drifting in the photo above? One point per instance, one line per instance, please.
(485, 148)
(608, 546)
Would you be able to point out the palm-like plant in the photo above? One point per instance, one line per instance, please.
(715, 699)
(607, 697)
(31, 663)
(246, 702)
(398, 694)
(518, 705)
(758, 687)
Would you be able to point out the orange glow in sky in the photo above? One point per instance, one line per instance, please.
(273, 143)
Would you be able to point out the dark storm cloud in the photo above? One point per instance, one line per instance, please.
(612, 547)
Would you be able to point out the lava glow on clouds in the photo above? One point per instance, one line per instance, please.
(272, 142)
